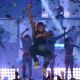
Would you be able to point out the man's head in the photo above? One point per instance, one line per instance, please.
(40, 27)
(68, 40)
(26, 36)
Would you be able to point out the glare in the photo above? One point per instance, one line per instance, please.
(66, 14)
(45, 15)
(59, 45)
(7, 73)
(76, 72)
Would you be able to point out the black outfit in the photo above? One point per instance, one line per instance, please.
(26, 43)
(40, 48)
(69, 58)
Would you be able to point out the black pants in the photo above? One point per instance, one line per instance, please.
(27, 59)
(69, 62)
(42, 51)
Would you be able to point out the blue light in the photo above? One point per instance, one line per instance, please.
(59, 45)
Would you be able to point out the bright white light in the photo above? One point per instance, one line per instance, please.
(66, 14)
(76, 72)
(59, 45)
(7, 73)
(45, 15)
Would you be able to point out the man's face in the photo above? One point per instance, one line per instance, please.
(40, 28)
(68, 41)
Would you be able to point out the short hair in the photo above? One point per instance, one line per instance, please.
(40, 24)
(68, 39)
(26, 36)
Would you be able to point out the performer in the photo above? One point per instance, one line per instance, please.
(26, 43)
(60, 14)
(51, 46)
(40, 37)
(39, 46)
(69, 59)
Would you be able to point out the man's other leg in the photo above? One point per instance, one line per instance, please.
(34, 53)
(30, 67)
(71, 66)
(47, 59)
(52, 67)
(24, 67)
(66, 66)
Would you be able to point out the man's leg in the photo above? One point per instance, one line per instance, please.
(67, 66)
(34, 53)
(30, 67)
(52, 67)
(45, 65)
(47, 59)
(24, 68)
(71, 66)
(66, 73)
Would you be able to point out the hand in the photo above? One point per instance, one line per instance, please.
(72, 28)
(29, 6)
(39, 35)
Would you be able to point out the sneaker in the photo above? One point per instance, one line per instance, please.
(36, 64)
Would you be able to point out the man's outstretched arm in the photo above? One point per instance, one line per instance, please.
(32, 22)
(62, 35)
(23, 32)
(76, 46)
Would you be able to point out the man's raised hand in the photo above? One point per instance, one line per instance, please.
(29, 6)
